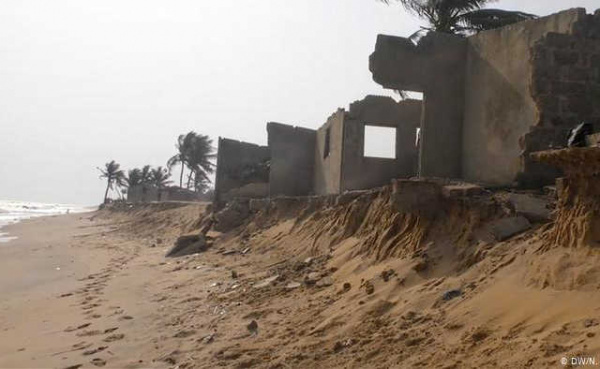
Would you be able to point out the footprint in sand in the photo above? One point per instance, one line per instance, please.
(110, 330)
(88, 307)
(126, 317)
(76, 366)
(89, 333)
(98, 362)
(94, 351)
(114, 337)
(81, 345)
(72, 329)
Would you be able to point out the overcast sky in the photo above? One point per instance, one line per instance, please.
(84, 82)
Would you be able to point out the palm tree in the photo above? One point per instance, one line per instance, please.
(114, 176)
(146, 174)
(201, 185)
(160, 177)
(134, 177)
(184, 145)
(200, 161)
(460, 17)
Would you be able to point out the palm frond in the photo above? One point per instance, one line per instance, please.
(460, 17)
(486, 19)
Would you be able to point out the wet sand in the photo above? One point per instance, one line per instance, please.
(74, 294)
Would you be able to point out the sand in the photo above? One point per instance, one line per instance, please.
(117, 302)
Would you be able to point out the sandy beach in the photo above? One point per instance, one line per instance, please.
(92, 290)
(76, 293)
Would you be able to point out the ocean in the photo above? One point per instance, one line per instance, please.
(15, 211)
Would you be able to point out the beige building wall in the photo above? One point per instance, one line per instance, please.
(328, 166)
(499, 108)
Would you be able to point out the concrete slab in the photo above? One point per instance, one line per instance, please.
(505, 228)
(535, 209)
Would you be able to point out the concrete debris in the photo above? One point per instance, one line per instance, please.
(347, 287)
(535, 209)
(293, 285)
(451, 294)
(462, 190)
(417, 197)
(325, 282)
(505, 228)
(187, 245)
(267, 282)
(312, 278)
(339, 345)
(253, 327)
(231, 217)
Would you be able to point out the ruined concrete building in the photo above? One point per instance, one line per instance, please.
(301, 161)
(489, 100)
(493, 98)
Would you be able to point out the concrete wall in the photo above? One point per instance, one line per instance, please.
(238, 165)
(435, 67)
(360, 172)
(328, 169)
(142, 193)
(148, 193)
(499, 109)
(292, 160)
(566, 90)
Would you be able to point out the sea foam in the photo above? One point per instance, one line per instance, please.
(15, 211)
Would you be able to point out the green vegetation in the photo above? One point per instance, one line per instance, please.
(159, 177)
(459, 17)
(195, 152)
(114, 177)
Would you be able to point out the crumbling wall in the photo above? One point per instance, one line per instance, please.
(360, 172)
(566, 90)
(242, 171)
(328, 155)
(292, 160)
(506, 81)
(435, 67)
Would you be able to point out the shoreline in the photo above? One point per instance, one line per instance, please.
(19, 217)
(79, 291)
(42, 264)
